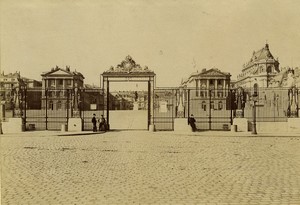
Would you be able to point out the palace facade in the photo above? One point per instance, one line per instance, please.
(57, 84)
(260, 69)
(210, 87)
(216, 81)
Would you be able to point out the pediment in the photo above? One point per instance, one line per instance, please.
(213, 72)
(59, 72)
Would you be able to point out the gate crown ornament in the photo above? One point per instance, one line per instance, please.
(128, 66)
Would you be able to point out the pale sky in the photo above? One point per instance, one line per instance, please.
(173, 38)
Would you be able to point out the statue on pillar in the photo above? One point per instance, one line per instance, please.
(292, 102)
(136, 96)
(135, 103)
(180, 107)
(16, 102)
(240, 102)
(76, 101)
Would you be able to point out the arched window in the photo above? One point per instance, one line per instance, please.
(220, 105)
(203, 105)
(212, 105)
(50, 105)
(58, 105)
(255, 89)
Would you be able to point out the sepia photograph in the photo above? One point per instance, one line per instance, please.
(114, 102)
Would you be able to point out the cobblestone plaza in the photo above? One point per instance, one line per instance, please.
(140, 167)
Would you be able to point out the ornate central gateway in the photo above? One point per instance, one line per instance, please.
(128, 71)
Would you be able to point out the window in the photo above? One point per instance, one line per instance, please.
(203, 105)
(203, 93)
(255, 93)
(197, 88)
(51, 83)
(69, 82)
(58, 105)
(50, 105)
(212, 105)
(220, 105)
(58, 93)
(60, 82)
(220, 94)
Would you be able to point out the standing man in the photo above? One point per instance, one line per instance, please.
(192, 121)
(94, 121)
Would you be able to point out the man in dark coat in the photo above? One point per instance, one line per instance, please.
(192, 122)
(94, 121)
(102, 124)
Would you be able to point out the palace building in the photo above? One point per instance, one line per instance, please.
(213, 79)
(56, 84)
(261, 69)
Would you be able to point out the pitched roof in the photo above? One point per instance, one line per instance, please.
(66, 71)
(262, 54)
(11, 75)
(204, 72)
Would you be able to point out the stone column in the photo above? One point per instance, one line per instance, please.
(216, 88)
(207, 87)
(224, 88)
(2, 114)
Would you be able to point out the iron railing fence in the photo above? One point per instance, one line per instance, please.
(210, 108)
(213, 109)
(164, 108)
(272, 104)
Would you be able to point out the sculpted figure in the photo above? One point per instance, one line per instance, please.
(239, 98)
(180, 109)
(240, 102)
(293, 102)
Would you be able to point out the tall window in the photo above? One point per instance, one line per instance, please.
(69, 82)
(50, 105)
(51, 83)
(203, 105)
(58, 105)
(60, 82)
(197, 88)
(212, 105)
(255, 87)
(220, 105)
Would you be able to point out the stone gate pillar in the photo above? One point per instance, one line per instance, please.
(239, 120)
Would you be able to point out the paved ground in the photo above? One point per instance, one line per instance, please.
(149, 168)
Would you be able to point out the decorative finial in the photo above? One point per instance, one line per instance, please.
(267, 45)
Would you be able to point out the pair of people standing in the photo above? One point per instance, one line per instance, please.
(102, 123)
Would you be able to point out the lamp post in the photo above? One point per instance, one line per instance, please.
(254, 100)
